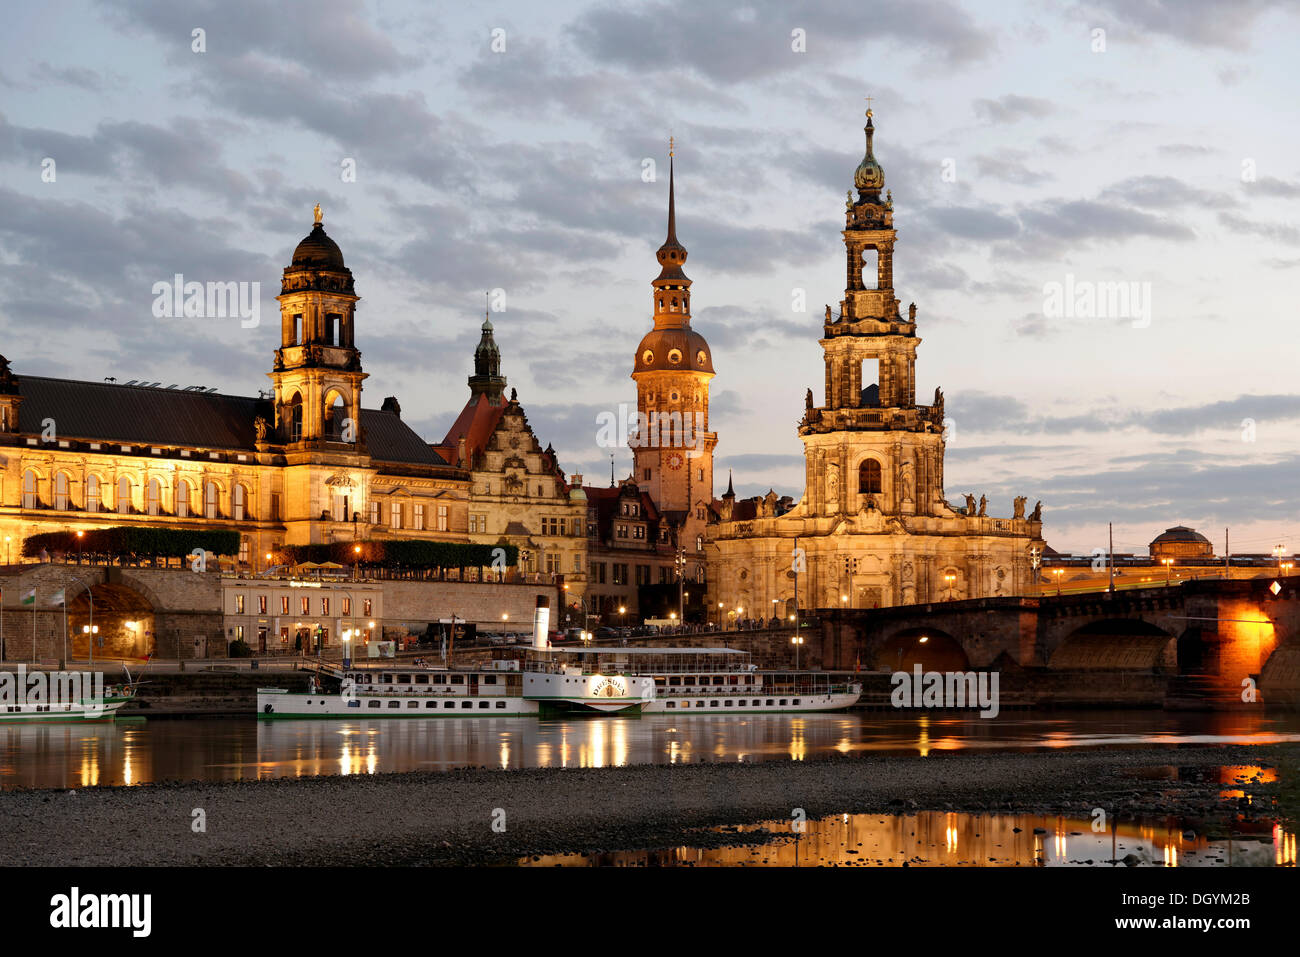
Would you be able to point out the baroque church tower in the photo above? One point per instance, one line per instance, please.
(870, 446)
(673, 446)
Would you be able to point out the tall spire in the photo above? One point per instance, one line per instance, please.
(672, 200)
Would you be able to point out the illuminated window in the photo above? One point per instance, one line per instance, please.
(869, 477)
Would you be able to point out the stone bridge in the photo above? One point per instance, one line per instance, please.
(1208, 636)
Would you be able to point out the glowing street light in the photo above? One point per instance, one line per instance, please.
(797, 641)
(1058, 572)
(1167, 562)
(951, 579)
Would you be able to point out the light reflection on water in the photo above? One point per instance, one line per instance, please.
(948, 838)
(136, 751)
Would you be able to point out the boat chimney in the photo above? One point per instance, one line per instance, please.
(541, 622)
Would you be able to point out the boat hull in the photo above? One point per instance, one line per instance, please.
(74, 712)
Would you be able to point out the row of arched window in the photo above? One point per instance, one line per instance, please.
(120, 497)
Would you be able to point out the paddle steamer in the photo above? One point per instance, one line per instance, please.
(547, 683)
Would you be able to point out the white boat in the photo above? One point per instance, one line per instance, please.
(548, 683)
(101, 708)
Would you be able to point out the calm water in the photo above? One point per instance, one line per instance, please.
(938, 838)
(136, 751)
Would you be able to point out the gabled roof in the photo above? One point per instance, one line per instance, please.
(476, 423)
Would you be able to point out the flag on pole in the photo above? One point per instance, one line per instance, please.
(29, 598)
(58, 598)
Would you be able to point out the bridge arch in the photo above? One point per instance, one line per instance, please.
(123, 619)
(931, 648)
(1115, 644)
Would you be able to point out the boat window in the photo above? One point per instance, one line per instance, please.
(404, 679)
(449, 704)
(689, 680)
(731, 704)
(699, 704)
(421, 679)
(466, 704)
(354, 704)
(431, 704)
(783, 702)
(796, 700)
(458, 679)
(385, 679)
(501, 704)
(769, 702)
(373, 704)
(672, 704)
(439, 679)
(413, 704)
(674, 680)
(484, 704)
(713, 703)
(394, 704)
(732, 679)
(489, 679)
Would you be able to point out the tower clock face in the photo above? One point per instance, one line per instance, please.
(676, 460)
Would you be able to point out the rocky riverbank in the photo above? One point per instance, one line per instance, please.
(448, 817)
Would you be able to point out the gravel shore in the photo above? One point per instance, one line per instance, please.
(447, 817)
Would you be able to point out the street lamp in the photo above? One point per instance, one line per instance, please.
(1058, 572)
(622, 615)
(80, 536)
(1166, 562)
(951, 579)
(347, 647)
(356, 560)
(1278, 550)
(797, 640)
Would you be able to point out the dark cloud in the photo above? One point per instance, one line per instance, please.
(1200, 23)
(736, 44)
(1012, 107)
(1274, 232)
(1163, 192)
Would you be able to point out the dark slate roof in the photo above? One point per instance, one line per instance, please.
(134, 415)
(392, 440)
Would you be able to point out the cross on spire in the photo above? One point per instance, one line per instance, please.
(869, 99)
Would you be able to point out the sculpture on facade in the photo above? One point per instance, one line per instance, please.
(1037, 514)
(970, 506)
(1018, 508)
(984, 506)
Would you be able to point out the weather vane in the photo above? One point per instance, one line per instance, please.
(869, 99)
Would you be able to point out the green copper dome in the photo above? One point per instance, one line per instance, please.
(869, 177)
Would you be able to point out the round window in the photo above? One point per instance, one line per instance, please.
(702, 357)
(675, 356)
(648, 356)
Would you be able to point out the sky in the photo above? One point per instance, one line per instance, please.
(522, 149)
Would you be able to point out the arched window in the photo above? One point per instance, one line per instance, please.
(210, 500)
(61, 490)
(336, 415)
(183, 500)
(124, 495)
(29, 489)
(240, 501)
(293, 418)
(92, 493)
(869, 477)
(153, 497)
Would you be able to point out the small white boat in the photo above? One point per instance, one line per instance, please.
(548, 683)
(101, 708)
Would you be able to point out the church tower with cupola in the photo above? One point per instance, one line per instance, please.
(317, 371)
(870, 446)
(673, 445)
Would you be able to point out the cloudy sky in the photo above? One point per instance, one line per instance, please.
(504, 146)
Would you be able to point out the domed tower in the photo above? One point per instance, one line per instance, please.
(673, 446)
(317, 372)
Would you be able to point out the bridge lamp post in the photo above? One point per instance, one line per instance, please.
(1286, 567)
(1167, 562)
(951, 579)
(1058, 572)
(1278, 550)
(797, 640)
